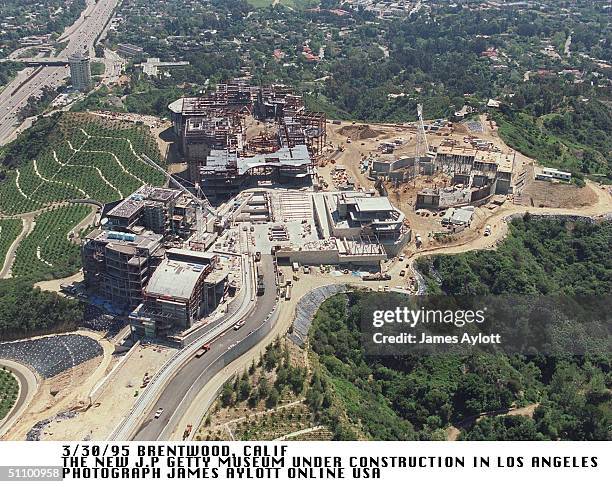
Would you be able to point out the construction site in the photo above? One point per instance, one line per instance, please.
(242, 136)
(146, 258)
(164, 268)
(349, 228)
(448, 178)
(373, 193)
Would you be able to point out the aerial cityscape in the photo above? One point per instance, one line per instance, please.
(201, 203)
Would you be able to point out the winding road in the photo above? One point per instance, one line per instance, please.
(176, 390)
(499, 228)
(28, 386)
(29, 220)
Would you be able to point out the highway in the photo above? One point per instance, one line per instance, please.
(30, 82)
(176, 389)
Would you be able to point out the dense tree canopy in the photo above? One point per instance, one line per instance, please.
(26, 310)
(418, 397)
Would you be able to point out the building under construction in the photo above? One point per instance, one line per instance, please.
(117, 265)
(120, 256)
(477, 175)
(163, 211)
(184, 287)
(477, 172)
(222, 160)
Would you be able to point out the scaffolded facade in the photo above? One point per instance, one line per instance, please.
(221, 159)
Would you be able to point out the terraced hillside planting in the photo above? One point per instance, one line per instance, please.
(49, 252)
(9, 388)
(10, 228)
(85, 157)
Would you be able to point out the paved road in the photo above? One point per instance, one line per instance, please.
(81, 37)
(27, 227)
(27, 388)
(23, 392)
(177, 388)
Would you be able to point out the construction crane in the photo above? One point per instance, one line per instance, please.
(422, 146)
(203, 207)
(200, 199)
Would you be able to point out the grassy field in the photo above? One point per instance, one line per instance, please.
(9, 389)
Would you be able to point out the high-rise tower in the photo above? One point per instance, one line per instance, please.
(80, 71)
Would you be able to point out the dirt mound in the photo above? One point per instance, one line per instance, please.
(545, 194)
(359, 132)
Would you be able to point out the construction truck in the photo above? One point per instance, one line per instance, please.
(261, 289)
(202, 350)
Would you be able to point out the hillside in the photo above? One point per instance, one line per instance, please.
(75, 156)
(425, 397)
(44, 175)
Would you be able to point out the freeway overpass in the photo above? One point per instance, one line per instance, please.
(30, 82)
(39, 61)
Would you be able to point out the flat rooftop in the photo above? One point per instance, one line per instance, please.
(133, 203)
(175, 279)
(126, 209)
(145, 240)
(376, 203)
(224, 160)
(295, 156)
(555, 170)
(160, 194)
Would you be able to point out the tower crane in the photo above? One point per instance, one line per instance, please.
(422, 146)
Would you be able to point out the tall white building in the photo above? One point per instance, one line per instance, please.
(80, 71)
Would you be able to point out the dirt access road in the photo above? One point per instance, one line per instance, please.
(28, 222)
(499, 226)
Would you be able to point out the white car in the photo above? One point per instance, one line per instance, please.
(159, 412)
